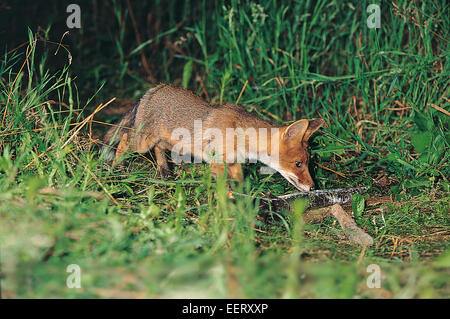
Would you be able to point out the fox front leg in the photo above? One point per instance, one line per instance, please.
(234, 171)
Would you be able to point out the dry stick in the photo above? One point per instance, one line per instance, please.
(439, 109)
(96, 178)
(395, 241)
(59, 44)
(242, 92)
(329, 169)
(351, 230)
(399, 108)
(69, 55)
(361, 256)
(116, 125)
(86, 120)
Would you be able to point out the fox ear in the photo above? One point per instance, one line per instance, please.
(296, 130)
(313, 126)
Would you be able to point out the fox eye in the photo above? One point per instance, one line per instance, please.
(298, 164)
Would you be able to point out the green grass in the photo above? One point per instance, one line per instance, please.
(381, 93)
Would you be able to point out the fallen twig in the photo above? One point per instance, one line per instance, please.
(330, 196)
(351, 230)
(320, 197)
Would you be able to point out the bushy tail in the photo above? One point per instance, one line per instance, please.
(115, 133)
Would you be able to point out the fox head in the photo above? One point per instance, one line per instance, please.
(293, 157)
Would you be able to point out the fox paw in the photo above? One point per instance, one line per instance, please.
(165, 174)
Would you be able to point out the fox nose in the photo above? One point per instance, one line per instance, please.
(305, 188)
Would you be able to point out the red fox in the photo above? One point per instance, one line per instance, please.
(167, 112)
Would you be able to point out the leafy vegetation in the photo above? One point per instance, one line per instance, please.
(384, 95)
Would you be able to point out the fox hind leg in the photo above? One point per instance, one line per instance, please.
(161, 160)
(134, 143)
(143, 144)
(121, 148)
